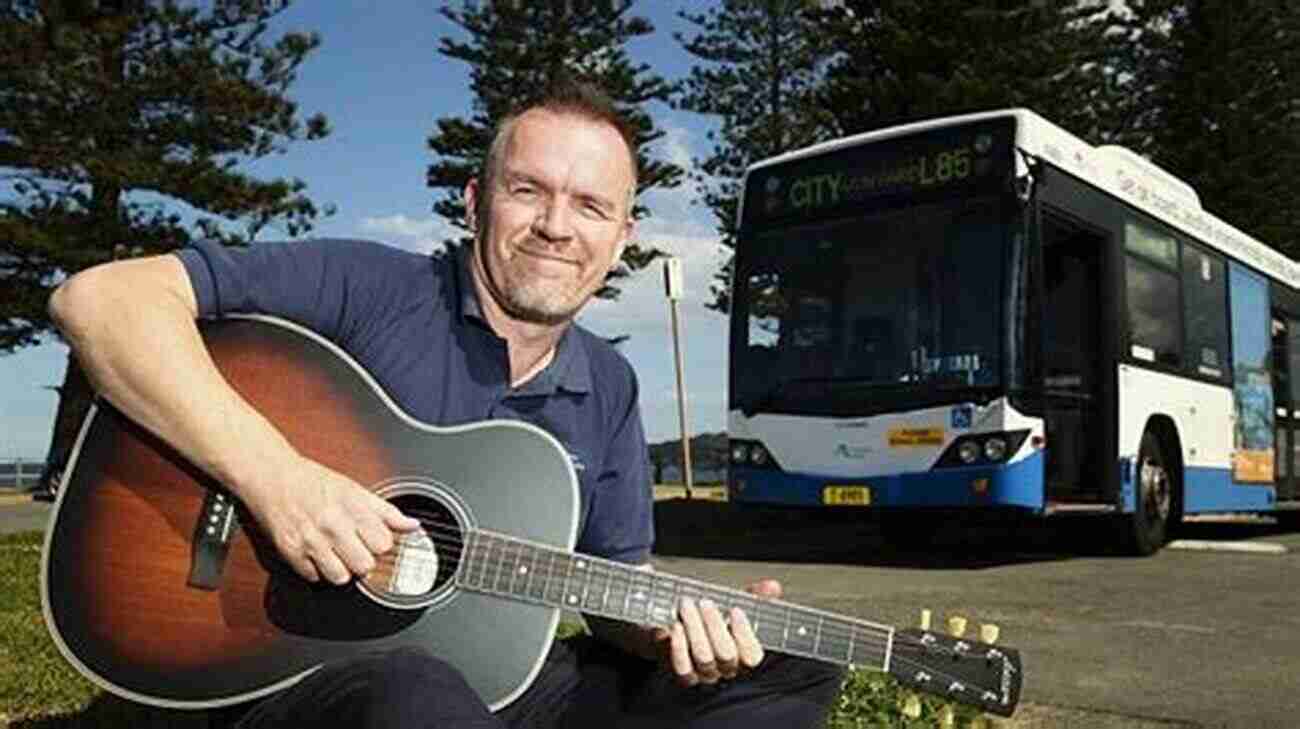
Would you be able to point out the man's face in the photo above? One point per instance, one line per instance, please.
(556, 217)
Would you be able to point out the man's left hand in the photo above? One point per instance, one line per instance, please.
(703, 647)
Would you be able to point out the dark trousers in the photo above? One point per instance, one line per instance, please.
(584, 683)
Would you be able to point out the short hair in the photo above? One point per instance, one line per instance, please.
(564, 96)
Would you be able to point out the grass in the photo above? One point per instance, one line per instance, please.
(39, 690)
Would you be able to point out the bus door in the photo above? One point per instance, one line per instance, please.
(1071, 359)
(1286, 359)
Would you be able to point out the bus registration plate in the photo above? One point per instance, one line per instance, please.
(846, 496)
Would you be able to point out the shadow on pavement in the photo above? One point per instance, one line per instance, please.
(933, 540)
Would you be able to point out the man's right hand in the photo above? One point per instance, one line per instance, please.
(323, 523)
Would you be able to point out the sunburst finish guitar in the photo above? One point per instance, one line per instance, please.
(158, 587)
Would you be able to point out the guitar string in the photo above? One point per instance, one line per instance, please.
(842, 633)
(448, 534)
(770, 608)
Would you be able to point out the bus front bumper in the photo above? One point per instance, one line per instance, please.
(1018, 484)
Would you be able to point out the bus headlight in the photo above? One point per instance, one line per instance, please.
(995, 448)
(751, 454)
(982, 449)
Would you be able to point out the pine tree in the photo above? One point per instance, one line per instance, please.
(1217, 102)
(113, 112)
(906, 60)
(758, 72)
(514, 50)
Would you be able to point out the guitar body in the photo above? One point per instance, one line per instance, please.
(152, 591)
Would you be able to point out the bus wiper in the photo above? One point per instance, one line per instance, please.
(775, 391)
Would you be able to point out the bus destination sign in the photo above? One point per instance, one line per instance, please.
(940, 161)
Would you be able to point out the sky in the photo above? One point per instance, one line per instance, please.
(378, 77)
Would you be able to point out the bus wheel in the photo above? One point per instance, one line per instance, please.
(1149, 523)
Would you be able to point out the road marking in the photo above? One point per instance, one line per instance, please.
(1205, 545)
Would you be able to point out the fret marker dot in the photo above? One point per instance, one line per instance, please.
(639, 595)
(573, 599)
(580, 564)
(803, 631)
(523, 570)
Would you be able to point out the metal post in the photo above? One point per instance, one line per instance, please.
(673, 285)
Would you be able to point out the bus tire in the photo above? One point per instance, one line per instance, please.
(1150, 522)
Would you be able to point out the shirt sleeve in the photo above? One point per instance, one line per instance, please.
(620, 525)
(328, 286)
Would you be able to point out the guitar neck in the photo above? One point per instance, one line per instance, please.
(521, 570)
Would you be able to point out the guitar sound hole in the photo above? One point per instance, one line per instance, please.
(418, 570)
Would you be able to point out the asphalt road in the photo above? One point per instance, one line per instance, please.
(21, 514)
(1187, 638)
(1181, 639)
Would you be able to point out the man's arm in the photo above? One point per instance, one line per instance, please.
(131, 325)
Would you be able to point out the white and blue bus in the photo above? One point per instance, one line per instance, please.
(984, 311)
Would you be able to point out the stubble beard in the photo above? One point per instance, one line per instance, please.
(525, 297)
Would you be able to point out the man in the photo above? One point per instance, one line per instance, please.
(485, 333)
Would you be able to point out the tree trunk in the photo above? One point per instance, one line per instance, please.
(75, 398)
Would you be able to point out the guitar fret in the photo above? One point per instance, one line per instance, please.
(505, 566)
(666, 610)
(555, 584)
(530, 588)
(515, 567)
(575, 582)
(604, 597)
(501, 584)
(593, 572)
(571, 597)
(620, 588)
(638, 599)
(509, 567)
(466, 560)
(486, 564)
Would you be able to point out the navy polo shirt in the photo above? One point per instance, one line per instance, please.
(414, 323)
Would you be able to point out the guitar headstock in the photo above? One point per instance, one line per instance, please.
(952, 666)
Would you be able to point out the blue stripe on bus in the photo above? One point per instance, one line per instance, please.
(1212, 489)
(1017, 484)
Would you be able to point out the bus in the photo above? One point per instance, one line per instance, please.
(984, 312)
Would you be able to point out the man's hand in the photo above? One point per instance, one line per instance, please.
(702, 647)
(323, 523)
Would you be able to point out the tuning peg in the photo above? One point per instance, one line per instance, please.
(956, 626)
(947, 717)
(911, 705)
(925, 619)
(989, 632)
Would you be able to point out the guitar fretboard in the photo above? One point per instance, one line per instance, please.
(521, 570)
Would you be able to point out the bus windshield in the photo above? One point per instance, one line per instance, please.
(852, 316)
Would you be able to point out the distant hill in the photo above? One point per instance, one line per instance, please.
(708, 459)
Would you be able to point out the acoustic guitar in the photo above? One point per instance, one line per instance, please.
(158, 587)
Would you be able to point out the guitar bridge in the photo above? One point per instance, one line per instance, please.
(216, 526)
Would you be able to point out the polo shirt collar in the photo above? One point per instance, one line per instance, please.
(569, 370)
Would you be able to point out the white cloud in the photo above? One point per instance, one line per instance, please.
(412, 234)
(642, 313)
